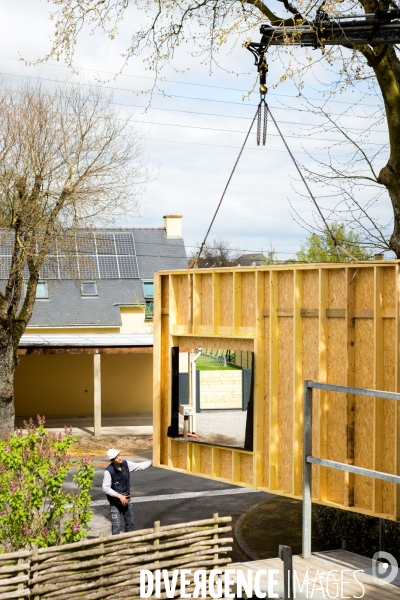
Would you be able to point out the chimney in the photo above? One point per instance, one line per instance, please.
(173, 226)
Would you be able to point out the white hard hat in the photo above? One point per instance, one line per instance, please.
(112, 453)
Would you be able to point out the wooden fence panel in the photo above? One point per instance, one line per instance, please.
(109, 567)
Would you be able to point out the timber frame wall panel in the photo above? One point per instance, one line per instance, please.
(331, 323)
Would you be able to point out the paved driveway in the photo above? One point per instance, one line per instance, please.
(169, 497)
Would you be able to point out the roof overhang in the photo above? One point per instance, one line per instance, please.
(141, 343)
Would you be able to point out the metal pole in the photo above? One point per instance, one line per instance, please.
(307, 451)
(286, 555)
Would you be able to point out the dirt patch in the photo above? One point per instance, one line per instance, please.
(273, 522)
(97, 446)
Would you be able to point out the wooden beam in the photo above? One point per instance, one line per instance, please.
(298, 383)
(216, 286)
(196, 302)
(259, 385)
(397, 389)
(84, 350)
(323, 378)
(237, 301)
(273, 382)
(309, 312)
(336, 313)
(350, 293)
(97, 394)
(378, 385)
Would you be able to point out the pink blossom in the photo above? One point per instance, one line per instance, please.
(7, 449)
(75, 526)
(41, 420)
(86, 460)
(13, 487)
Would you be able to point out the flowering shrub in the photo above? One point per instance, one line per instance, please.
(34, 506)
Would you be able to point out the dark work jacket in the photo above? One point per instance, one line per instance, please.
(120, 480)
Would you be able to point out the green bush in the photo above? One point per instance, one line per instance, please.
(360, 531)
(34, 507)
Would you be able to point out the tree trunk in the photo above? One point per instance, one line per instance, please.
(7, 369)
(386, 66)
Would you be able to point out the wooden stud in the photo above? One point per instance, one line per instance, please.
(259, 377)
(216, 463)
(216, 302)
(397, 389)
(236, 466)
(298, 384)
(378, 385)
(196, 303)
(273, 382)
(349, 477)
(237, 301)
(323, 378)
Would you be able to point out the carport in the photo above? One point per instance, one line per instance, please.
(93, 373)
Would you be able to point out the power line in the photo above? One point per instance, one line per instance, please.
(189, 83)
(304, 137)
(166, 95)
(238, 147)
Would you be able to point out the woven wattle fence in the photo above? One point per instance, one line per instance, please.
(109, 567)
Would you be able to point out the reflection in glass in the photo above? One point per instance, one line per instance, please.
(217, 385)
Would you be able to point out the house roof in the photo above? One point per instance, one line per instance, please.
(66, 307)
(118, 267)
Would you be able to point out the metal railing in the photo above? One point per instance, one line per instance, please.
(309, 459)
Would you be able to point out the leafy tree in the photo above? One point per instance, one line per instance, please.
(34, 507)
(159, 28)
(216, 253)
(66, 162)
(320, 248)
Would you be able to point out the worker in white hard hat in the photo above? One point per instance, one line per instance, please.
(117, 486)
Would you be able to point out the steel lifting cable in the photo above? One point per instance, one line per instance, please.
(193, 265)
(334, 240)
(262, 121)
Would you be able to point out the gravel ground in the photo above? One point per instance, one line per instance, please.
(225, 427)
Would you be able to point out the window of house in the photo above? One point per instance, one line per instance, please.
(42, 292)
(89, 288)
(148, 292)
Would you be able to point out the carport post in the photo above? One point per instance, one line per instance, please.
(97, 393)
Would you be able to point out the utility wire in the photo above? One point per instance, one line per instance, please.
(219, 87)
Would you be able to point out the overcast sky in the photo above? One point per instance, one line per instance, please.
(193, 132)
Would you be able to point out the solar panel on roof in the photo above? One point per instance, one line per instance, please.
(128, 266)
(49, 268)
(68, 266)
(81, 255)
(5, 265)
(105, 243)
(108, 267)
(124, 244)
(88, 267)
(85, 243)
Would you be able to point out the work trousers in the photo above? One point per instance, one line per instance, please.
(126, 511)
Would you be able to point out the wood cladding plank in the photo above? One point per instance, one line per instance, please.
(226, 299)
(285, 405)
(206, 299)
(248, 301)
(364, 412)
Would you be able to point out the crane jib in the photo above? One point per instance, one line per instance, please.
(383, 27)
